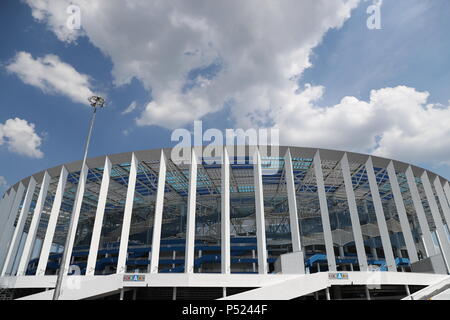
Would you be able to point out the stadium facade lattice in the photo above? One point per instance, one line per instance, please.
(306, 224)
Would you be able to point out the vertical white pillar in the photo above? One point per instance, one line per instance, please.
(7, 209)
(292, 202)
(6, 206)
(99, 214)
(52, 221)
(401, 211)
(260, 220)
(4, 214)
(341, 251)
(9, 224)
(123, 250)
(225, 214)
(447, 193)
(190, 224)
(157, 221)
(76, 215)
(15, 207)
(27, 249)
(373, 250)
(381, 220)
(15, 241)
(442, 200)
(327, 235)
(356, 225)
(442, 236)
(3, 202)
(426, 234)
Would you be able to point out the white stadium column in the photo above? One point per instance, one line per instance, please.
(8, 230)
(381, 220)
(157, 222)
(3, 218)
(356, 225)
(190, 223)
(447, 194)
(27, 249)
(76, 216)
(442, 200)
(292, 202)
(52, 221)
(98, 223)
(123, 250)
(418, 206)
(442, 235)
(260, 220)
(17, 235)
(225, 214)
(7, 209)
(3, 202)
(327, 235)
(401, 211)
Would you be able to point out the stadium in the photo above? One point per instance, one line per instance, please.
(306, 224)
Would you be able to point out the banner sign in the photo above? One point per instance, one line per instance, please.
(134, 278)
(338, 276)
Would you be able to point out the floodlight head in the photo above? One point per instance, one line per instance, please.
(96, 101)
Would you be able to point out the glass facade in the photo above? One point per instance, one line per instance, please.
(243, 232)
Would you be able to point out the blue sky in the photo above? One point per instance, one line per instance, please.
(229, 77)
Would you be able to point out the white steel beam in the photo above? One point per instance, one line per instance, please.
(442, 235)
(442, 200)
(418, 206)
(4, 214)
(260, 220)
(15, 241)
(8, 230)
(401, 211)
(7, 209)
(52, 221)
(292, 202)
(190, 223)
(6, 205)
(447, 195)
(225, 214)
(128, 211)
(75, 216)
(99, 214)
(3, 220)
(15, 206)
(3, 202)
(31, 237)
(381, 219)
(157, 221)
(354, 217)
(327, 235)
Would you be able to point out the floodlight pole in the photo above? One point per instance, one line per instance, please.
(95, 102)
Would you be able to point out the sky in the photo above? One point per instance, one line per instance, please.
(312, 69)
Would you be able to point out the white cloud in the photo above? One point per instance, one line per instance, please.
(395, 122)
(21, 138)
(130, 108)
(261, 46)
(51, 75)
